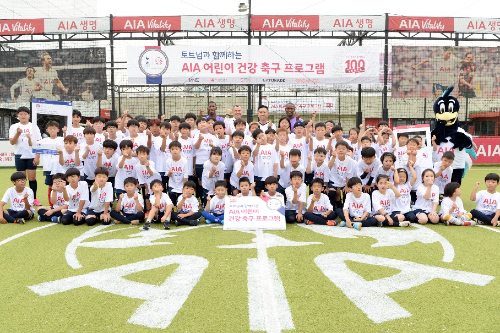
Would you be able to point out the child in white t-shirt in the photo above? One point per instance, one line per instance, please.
(126, 166)
(383, 200)
(402, 203)
(69, 157)
(444, 170)
(357, 207)
(427, 199)
(187, 207)
(247, 189)
(101, 197)
(21, 201)
(295, 198)
(265, 160)
(130, 206)
(78, 198)
(177, 170)
(452, 208)
(214, 210)
(161, 206)
(213, 170)
(59, 200)
(242, 168)
(488, 202)
(109, 159)
(319, 209)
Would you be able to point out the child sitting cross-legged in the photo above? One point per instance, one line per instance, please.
(319, 208)
(384, 200)
(130, 206)
(357, 207)
(452, 207)
(21, 201)
(161, 206)
(59, 199)
(187, 206)
(214, 210)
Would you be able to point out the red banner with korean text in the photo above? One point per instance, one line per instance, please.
(146, 23)
(22, 27)
(285, 22)
(488, 150)
(421, 24)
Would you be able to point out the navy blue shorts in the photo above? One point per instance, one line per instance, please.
(23, 164)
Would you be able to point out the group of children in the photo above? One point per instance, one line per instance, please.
(147, 166)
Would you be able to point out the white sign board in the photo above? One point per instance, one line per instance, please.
(254, 213)
(253, 64)
(6, 154)
(424, 130)
(51, 108)
(306, 105)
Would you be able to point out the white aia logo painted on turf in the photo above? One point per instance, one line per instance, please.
(268, 305)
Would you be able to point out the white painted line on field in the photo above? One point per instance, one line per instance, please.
(256, 298)
(162, 303)
(25, 233)
(71, 248)
(495, 229)
(272, 323)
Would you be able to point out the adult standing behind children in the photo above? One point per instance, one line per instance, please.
(21, 135)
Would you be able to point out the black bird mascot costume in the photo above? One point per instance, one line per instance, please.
(447, 135)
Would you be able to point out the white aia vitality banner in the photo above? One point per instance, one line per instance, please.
(254, 64)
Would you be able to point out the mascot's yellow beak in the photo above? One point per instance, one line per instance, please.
(449, 117)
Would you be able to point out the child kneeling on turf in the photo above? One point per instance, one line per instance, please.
(357, 207)
(214, 210)
(427, 199)
(383, 203)
(59, 198)
(295, 198)
(130, 206)
(78, 193)
(488, 202)
(101, 197)
(319, 208)
(187, 206)
(21, 201)
(161, 206)
(452, 207)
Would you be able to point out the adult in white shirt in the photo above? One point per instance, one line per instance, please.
(21, 136)
(26, 87)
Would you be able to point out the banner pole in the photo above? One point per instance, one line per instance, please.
(385, 111)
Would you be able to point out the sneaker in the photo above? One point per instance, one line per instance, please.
(20, 221)
(147, 224)
(456, 221)
(380, 224)
(166, 225)
(222, 222)
(309, 222)
(404, 223)
(36, 203)
(207, 221)
(177, 223)
(40, 218)
(54, 219)
(331, 223)
(343, 224)
(469, 224)
(194, 223)
(357, 226)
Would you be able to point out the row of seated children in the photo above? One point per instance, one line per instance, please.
(74, 207)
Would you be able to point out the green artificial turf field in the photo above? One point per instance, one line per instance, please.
(202, 279)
